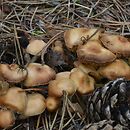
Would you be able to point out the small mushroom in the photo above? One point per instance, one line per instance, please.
(63, 75)
(116, 69)
(116, 43)
(52, 103)
(14, 99)
(58, 47)
(35, 105)
(73, 37)
(93, 52)
(38, 74)
(83, 82)
(57, 87)
(7, 118)
(12, 73)
(35, 46)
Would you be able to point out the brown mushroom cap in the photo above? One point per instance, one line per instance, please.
(52, 103)
(7, 118)
(116, 43)
(12, 73)
(38, 74)
(63, 75)
(35, 46)
(93, 52)
(116, 69)
(35, 105)
(88, 69)
(73, 37)
(83, 82)
(15, 99)
(56, 87)
(58, 47)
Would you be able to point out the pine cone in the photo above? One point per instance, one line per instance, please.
(111, 102)
(104, 125)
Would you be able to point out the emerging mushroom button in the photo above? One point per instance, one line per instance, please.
(52, 103)
(7, 118)
(38, 74)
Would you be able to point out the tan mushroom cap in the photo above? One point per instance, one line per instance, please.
(58, 46)
(116, 43)
(38, 74)
(83, 82)
(117, 69)
(7, 118)
(35, 105)
(73, 37)
(35, 46)
(88, 69)
(52, 103)
(15, 99)
(12, 73)
(56, 87)
(63, 75)
(93, 52)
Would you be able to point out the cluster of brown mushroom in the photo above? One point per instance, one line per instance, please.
(102, 51)
(98, 55)
(14, 99)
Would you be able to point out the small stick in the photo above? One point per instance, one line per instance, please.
(38, 121)
(65, 100)
(54, 120)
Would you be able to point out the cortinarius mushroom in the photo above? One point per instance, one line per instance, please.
(73, 37)
(56, 87)
(93, 52)
(7, 118)
(38, 74)
(117, 69)
(117, 44)
(83, 82)
(12, 73)
(35, 46)
(35, 105)
(14, 99)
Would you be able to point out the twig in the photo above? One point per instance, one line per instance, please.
(54, 120)
(65, 99)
